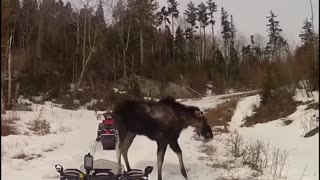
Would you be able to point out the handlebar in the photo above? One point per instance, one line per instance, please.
(102, 170)
(105, 174)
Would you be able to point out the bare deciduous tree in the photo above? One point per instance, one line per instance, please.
(89, 38)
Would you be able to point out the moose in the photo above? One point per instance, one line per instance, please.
(161, 121)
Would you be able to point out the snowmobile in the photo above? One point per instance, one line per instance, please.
(107, 134)
(102, 169)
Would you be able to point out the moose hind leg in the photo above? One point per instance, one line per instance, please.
(176, 148)
(162, 147)
(125, 147)
(118, 150)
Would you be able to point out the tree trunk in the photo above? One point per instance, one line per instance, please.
(84, 41)
(314, 38)
(200, 51)
(91, 82)
(132, 64)
(3, 106)
(39, 39)
(173, 36)
(141, 48)
(204, 44)
(152, 49)
(76, 87)
(114, 66)
(16, 95)
(124, 63)
(160, 55)
(213, 42)
(9, 71)
(78, 35)
(84, 66)
(213, 52)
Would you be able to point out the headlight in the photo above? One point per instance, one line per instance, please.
(100, 117)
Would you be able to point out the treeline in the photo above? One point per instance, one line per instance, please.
(47, 45)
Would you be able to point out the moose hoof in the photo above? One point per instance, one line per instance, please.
(184, 173)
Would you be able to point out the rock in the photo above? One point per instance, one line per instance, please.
(312, 132)
(37, 99)
(177, 91)
(148, 88)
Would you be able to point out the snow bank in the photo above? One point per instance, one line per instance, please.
(303, 153)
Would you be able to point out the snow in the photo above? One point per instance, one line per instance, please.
(73, 135)
(301, 95)
(303, 153)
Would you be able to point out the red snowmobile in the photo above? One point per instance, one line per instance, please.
(107, 133)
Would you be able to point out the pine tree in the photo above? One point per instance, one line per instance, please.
(174, 12)
(226, 29)
(100, 14)
(28, 19)
(145, 17)
(307, 33)
(203, 19)
(233, 31)
(276, 42)
(226, 35)
(212, 7)
(191, 18)
(191, 13)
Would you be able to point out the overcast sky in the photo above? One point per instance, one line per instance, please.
(250, 15)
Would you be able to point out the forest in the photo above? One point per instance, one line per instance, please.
(51, 46)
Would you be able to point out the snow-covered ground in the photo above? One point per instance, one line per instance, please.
(73, 135)
(303, 153)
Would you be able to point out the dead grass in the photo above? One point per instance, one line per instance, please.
(20, 155)
(258, 156)
(209, 150)
(219, 165)
(8, 124)
(26, 157)
(8, 128)
(222, 114)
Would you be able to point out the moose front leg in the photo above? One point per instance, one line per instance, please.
(162, 147)
(176, 148)
(125, 147)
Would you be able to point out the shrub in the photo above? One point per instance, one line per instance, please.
(279, 105)
(40, 127)
(8, 128)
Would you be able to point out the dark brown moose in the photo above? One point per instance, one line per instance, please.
(160, 121)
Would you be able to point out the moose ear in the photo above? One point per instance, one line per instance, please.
(198, 113)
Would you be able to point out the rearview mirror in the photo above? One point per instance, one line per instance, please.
(59, 168)
(148, 170)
